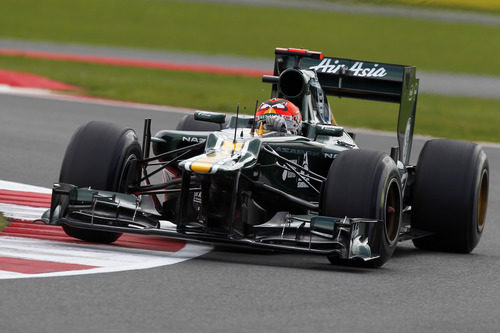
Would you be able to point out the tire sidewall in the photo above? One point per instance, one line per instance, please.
(97, 157)
(120, 173)
(446, 195)
(390, 177)
(357, 186)
(475, 232)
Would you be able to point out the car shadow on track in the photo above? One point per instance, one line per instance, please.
(247, 256)
(404, 254)
(407, 254)
(407, 251)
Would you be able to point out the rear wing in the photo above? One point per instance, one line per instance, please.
(363, 80)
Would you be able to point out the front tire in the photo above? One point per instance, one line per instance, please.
(99, 156)
(450, 195)
(365, 184)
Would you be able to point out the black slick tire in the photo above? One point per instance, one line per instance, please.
(365, 184)
(450, 195)
(99, 156)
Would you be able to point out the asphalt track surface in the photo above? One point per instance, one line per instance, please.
(437, 83)
(433, 14)
(233, 290)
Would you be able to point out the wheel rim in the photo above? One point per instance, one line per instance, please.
(392, 211)
(482, 201)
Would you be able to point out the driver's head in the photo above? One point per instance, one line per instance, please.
(278, 114)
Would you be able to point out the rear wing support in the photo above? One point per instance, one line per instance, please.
(363, 80)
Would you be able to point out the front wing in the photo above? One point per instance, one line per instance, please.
(345, 237)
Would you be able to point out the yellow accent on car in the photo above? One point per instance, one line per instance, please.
(201, 167)
(333, 121)
(261, 130)
(228, 145)
(205, 162)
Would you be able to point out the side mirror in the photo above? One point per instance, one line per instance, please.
(213, 117)
(329, 130)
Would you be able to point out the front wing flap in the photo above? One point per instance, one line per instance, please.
(345, 238)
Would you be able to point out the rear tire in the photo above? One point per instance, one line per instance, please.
(450, 195)
(365, 184)
(99, 156)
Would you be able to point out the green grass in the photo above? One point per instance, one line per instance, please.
(185, 89)
(254, 31)
(3, 222)
(440, 116)
(452, 117)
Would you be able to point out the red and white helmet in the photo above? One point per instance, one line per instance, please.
(278, 114)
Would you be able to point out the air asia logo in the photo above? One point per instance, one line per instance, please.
(327, 66)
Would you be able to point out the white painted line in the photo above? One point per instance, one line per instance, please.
(107, 258)
(6, 89)
(14, 186)
(24, 213)
(47, 94)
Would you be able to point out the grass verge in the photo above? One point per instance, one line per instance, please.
(3, 222)
(461, 118)
(185, 89)
(452, 117)
(255, 31)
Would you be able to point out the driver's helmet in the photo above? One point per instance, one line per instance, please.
(280, 115)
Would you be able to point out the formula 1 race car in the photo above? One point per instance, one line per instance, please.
(239, 182)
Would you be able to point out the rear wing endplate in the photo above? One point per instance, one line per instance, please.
(363, 80)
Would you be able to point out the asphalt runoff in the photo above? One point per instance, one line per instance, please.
(432, 14)
(231, 290)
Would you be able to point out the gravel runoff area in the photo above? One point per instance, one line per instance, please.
(439, 83)
(460, 16)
